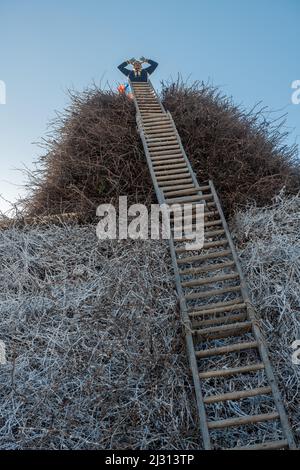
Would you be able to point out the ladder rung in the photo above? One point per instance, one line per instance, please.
(212, 293)
(158, 125)
(158, 129)
(178, 200)
(268, 445)
(205, 245)
(153, 141)
(209, 280)
(227, 308)
(213, 222)
(172, 172)
(207, 223)
(165, 144)
(167, 157)
(223, 331)
(149, 107)
(168, 160)
(175, 187)
(150, 112)
(226, 423)
(168, 147)
(173, 165)
(151, 118)
(231, 371)
(208, 267)
(179, 192)
(201, 308)
(169, 179)
(223, 320)
(161, 153)
(159, 132)
(213, 233)
(215, 254)
(192, 216)
(227, 349)
(237, 395)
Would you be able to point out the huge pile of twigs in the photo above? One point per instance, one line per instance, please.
(95, 351)
(94, 153)
(269, 245)
(94, 346)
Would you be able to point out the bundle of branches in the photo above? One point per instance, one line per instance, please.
(94, 153)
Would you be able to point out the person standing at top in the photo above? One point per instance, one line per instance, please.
(138, 74)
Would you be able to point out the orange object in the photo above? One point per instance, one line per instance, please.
(121, 88)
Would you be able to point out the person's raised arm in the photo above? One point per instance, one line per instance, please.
(123, 68)
(152, 67)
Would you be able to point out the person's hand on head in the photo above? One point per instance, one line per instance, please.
(130, 61)
(143, 59)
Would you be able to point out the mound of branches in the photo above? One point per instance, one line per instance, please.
(243, 152)
(95, 355)
(94, 153)
(269, 247)
(94, 345)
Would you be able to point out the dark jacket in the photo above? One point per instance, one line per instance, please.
(143, 77)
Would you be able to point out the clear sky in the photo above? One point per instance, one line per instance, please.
(250, 48)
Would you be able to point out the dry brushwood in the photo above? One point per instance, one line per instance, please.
(268, 242)
(95, 347)
(94, 153)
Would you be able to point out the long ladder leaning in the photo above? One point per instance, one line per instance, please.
(205, 319)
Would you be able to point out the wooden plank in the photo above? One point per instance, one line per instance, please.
(239, 395)
(205, 246)
(215, 254)
(160, 140)
(169, 166)
(219, 304)
(185, 199)
(231, 371)
(268, 445)
(167, 145)
(207, 268)
(219, 351)
(211, 293)
(167, 157)
(221, 320)
(223, 331)
(176, 187)
(156, 154)
(171, 179)
(167, 161)
(227, 423)
(211, 311)
(157, 128)
(180, 171)
(209, 280)
(180, 192)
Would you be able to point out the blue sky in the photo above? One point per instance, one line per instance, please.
(249, 48)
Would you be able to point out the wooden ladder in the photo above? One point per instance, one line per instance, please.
(210, 320)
